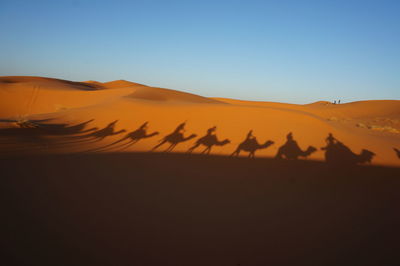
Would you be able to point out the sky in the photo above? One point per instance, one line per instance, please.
(296, 51)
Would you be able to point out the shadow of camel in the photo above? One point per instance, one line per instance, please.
(39, 132)
(336, 153)
(397, 151)
(209, 140)
(250, 144)
(130, 139)
(38, 135)
(291, 150)
(33, 129)
(174, 138)
(97, 135)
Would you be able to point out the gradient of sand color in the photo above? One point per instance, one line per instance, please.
(132, 104)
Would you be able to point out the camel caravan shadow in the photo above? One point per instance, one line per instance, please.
(174, 138)
(209, 140)
(336, 153)
(250, 145)
(292, 151)
(129, 139)
(96, 134)
(41, 134)
(40, 129)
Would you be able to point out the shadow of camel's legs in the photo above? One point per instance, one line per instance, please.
(68, 141)
(236, 153)
(130, 143)
(115, 145)
(159, 144)
(279, 154)
(191, 149)
(85, 141)
(171, 147)
(120, 145)
(206, 150)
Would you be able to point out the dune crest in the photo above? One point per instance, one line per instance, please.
(122, 84)
(163, 95)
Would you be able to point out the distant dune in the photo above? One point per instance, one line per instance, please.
(370, 125)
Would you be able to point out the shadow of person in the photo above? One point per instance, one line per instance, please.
(397, 151)
(97, 135)
(291, 150)
(174, 138)
(130, 139)
(250, 144)
(336, 153)
(209, 140)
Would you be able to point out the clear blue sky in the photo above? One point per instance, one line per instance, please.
(296, 51)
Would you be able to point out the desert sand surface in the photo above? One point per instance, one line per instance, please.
(88, 182)
(370, 125)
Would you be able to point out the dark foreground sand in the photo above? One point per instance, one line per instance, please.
(177, 209)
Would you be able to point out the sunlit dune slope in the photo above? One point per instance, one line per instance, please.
(371, 125)
(23, 96)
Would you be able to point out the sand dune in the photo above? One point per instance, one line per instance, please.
(371, 125)
(144, 92)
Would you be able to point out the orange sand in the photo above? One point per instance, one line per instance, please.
(372, 125)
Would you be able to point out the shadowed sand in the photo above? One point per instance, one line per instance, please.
(181, 209)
